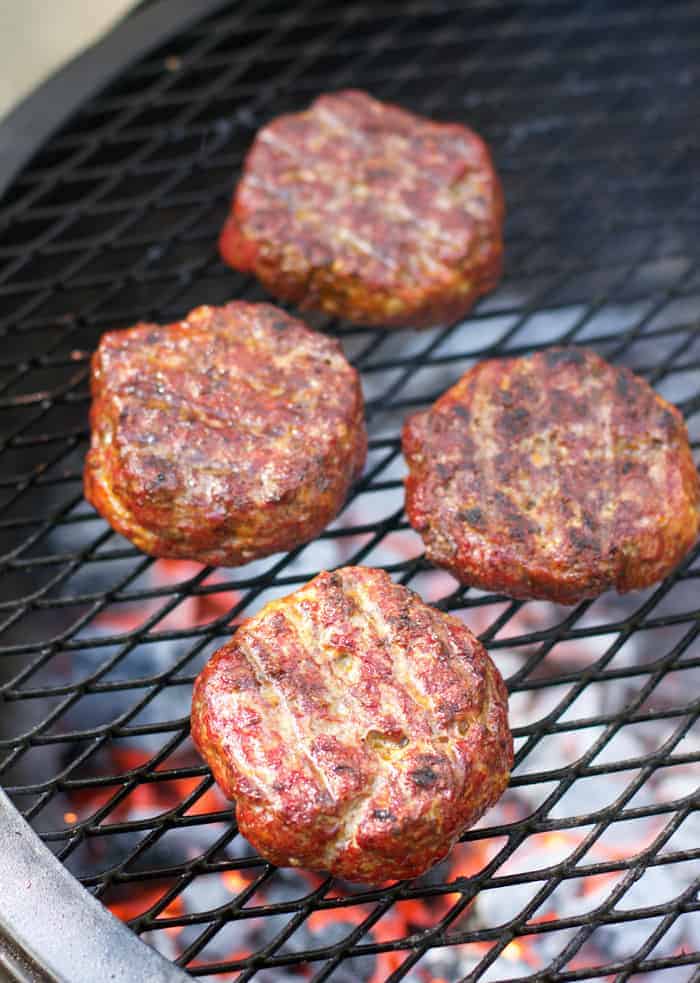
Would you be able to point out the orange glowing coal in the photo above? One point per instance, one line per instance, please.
(148, 798)
(467, 860)
(558, 840)
(234, 880)
(390, 927)
(235, 956)
(519, 950)
(191, 612)
(406, 917)
(141, 900)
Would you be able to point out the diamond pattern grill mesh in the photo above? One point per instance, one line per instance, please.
(591, 110)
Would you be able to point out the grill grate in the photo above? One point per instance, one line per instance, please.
(590, 109)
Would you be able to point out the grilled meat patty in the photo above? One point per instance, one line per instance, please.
(363, 210)
(224, 437)
(359, 730)
(553, 476)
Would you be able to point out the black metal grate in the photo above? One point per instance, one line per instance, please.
(591, 110)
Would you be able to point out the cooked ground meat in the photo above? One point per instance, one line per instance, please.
(359, 730)
(224, 437)
(553, 476)
(363, 210)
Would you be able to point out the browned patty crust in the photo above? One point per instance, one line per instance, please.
(224, 437)
(363, 210)
(359, 730)
(554, 476)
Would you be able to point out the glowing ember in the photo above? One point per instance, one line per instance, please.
(557, 842)
(520, 951)
(192, 612)
(391, 926)
(209, 814)
(141, 901)
(234, 880)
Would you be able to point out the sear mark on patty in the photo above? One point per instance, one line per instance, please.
(585, 472)
(363, 210)
(372, 774)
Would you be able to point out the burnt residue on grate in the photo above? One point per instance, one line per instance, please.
(588, 867)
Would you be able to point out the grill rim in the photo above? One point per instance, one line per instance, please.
(54, 947)
(36, 118)
(75, 937)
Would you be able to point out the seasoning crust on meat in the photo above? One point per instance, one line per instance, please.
(361, 209)
(553, 476)
(359, 730)
(224, 437)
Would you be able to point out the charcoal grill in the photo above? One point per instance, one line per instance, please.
(117, 175)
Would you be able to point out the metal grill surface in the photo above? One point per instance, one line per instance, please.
(591, 110)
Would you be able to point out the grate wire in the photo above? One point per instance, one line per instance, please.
(589, 109)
